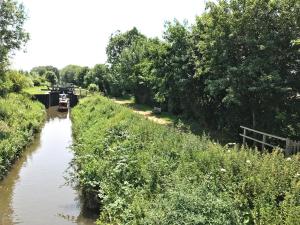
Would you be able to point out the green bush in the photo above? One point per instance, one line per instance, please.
(18, 81)
(20, 119)
(139, 172)
(93, 88)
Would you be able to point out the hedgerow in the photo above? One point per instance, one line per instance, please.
(139, 172)
(20, 119)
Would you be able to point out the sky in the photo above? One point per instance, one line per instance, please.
(64, 32)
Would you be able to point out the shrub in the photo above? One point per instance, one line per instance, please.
(139, 172)
(93, 88)
(19, 81)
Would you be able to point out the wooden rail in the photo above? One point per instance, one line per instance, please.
(291, 147)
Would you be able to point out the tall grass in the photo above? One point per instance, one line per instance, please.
(139, 172)
(20, 119)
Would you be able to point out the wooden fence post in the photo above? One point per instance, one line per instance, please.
(244, 138)
(287, 146)
(264, 141)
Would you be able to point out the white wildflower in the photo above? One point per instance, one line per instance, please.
(248, 161)
(223, 170)
(297, 175)
(288, 159)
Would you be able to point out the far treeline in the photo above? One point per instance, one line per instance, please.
(238, 64)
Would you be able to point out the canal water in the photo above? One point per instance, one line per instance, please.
(35, 191)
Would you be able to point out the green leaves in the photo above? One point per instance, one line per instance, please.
(12, 33)
(145, 173)
(17, 127)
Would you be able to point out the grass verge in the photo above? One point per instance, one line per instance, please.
(36, 90)
(139, 172)
(20, 119)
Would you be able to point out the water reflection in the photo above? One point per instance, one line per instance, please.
(33, 192)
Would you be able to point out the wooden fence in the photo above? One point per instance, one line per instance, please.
(287, 145)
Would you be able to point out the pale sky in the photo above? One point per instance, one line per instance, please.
(77, 32)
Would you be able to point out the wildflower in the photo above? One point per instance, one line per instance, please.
(223, 170)
(248, 161)
(288, 159)
(297, 175)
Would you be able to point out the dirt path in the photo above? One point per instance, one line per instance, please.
(145, 112)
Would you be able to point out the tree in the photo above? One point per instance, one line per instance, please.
(248, 62)
(100, 76)
(80, 76)
(42, 74)
(69, 74)
(17, 81)
(12, 35)
(180, 85)
(117, 44)
(51, 77)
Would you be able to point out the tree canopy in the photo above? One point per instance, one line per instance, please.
(237, 65)
(12, 33)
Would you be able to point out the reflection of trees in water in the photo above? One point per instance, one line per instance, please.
(85, 217)
(10, 183)
(7, 185)
(52, 112)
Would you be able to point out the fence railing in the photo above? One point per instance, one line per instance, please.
(287, 145)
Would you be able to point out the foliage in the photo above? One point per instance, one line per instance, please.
(20, 120)
(12, 33)
(139, 172)
(41, 70)
(118, 43)
(73, 74)
(98, 75)
(51, 77)
(14, 81)
(248, 63)
(237, 65)
(41, 74)
(93, 88)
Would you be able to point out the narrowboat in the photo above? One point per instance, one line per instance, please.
(63, 104)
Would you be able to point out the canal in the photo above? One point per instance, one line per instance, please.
(35, 191)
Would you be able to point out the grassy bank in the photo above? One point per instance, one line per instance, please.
(139, 172)
(39, 90)
(20, 119)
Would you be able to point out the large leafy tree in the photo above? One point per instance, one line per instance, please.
(118, 43)
(48, 73)
(41, 70)
(70, 74)
(238, 65)
(51, 77)
(179, 82)
(249, 63)
(12, 35)
(100, 76)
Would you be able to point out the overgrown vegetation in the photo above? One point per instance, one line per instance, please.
(20, 117)
(138, 172)
(238, 64)
(20, 120)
